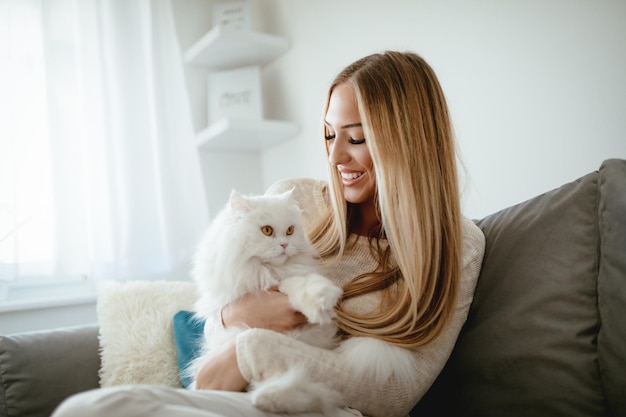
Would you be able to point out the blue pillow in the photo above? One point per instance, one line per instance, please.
(188, 334)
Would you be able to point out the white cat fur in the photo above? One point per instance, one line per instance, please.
(234, 258)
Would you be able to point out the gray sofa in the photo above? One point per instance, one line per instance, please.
(546, 334)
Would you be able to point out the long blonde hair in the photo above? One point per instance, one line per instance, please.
(410, 138)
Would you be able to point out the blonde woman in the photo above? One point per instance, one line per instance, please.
(388, 229)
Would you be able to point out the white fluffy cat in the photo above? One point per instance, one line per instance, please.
(253, 244)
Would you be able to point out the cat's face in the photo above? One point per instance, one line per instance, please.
(271, 226)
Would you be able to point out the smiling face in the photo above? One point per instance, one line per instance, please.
(347, 150)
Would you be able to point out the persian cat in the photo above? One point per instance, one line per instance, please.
(256, 243)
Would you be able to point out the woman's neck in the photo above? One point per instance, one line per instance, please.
(364, 220)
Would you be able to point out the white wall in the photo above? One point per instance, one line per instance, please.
(537, 89)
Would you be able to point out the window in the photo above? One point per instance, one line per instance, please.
(26, 200)
(99, 176)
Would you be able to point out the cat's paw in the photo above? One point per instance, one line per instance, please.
(314, 296)
(294, 393)
(319, 307)
(271, 399)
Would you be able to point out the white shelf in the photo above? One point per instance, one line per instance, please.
(245, 134)
(224, 49)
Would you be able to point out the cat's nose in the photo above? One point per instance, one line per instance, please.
(283, 245)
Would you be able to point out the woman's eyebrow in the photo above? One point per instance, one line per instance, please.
(348, 126)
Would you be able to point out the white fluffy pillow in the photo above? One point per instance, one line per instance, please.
(136, 336)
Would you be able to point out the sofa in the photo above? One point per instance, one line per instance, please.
(545, 336)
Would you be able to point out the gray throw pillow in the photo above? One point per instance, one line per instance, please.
(530, 344)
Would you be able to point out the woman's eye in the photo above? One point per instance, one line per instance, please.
(290, 230)
(356, 141)
(267, 230)
(329, 137)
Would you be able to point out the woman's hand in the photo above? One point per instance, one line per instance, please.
(219, 370)
(265, 309)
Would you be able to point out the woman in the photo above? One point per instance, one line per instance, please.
(388, 228)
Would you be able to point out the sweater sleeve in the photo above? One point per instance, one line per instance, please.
(262, 353)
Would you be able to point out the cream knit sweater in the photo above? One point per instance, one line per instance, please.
(262, 353)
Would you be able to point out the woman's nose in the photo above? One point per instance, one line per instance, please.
(337, 153)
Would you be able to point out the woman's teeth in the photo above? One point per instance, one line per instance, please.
(351, 175)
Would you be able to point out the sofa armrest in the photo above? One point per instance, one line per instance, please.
(40, 369)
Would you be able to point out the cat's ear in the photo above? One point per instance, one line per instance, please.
(238, 202)
(287, 195)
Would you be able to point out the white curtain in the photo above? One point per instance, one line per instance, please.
(99, 176)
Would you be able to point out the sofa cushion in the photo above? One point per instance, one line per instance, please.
(136, 331)
(188, 336)
(529, 346)
(40, 369)
(612, 282)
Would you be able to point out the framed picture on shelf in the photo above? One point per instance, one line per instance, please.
(235, 93)
(232, 15)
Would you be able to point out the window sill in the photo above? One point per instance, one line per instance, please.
(37, 303)
(34, 296)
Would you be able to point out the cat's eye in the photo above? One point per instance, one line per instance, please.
(267, 230)
(290, 230)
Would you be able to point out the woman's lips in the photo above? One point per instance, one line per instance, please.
(350, 179)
